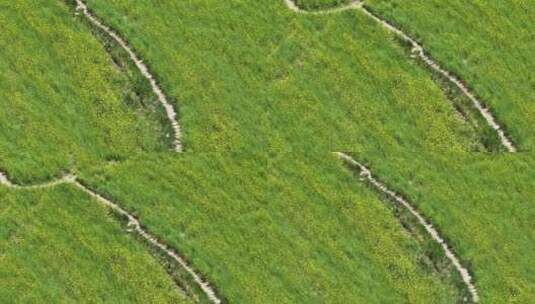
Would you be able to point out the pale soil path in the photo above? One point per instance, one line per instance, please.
(162, 98)
(132, 222)
(367, 174)
(420, 52)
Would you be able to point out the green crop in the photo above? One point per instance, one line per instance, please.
(58, 246)
(489, 44)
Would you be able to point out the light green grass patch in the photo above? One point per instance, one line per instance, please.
(483, 204)
(255, 75)
(280, 228)
(490, 44)
(63, 103)
(60, 246)
(320, 4)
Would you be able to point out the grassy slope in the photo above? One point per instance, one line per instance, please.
(252, 74)
(63, 104)
(490, 44)
(60, 246)
(484, 205)
(276, 229)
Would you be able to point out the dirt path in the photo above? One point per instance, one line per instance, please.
(420, 52)
(132, 222)
(4, 180)
(366, 173)
(162, 98)
(294, 7)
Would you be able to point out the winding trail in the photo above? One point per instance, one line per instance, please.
(132, 222)
(367, 174)
(162, 98)
(419, 51)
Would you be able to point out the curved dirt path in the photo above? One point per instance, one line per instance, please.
(420, 52)
(367, 174)
(132, 222)
(162, 98)
(4, 180)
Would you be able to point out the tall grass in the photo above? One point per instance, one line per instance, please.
(483, 204)
(489, 44)
(276, 228)
(59, 246)
(64, 104)
(255, 75)
(320, 4)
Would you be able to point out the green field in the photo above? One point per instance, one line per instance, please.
(320, 4)
(285, 228)
(326, 83)
(58, 246)
(259, 207)
(483, 205)
(67, 105)
(489, 44)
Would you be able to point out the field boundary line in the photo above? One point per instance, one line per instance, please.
(143, 68)
(435, 235)
(71, 179)
(418, 50)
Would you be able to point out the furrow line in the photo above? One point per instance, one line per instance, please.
(132, 222)
(368, 175)
(420, 52)
(142, 67)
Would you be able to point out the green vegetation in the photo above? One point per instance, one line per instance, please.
(483, 204)
(276, 228)
(320, 4)
(59, 246)
(255, 75)
(260, 207)
(64, 104)
(488, 43)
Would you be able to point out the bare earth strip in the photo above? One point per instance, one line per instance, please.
(366, 173)
(132, 222)
(419, 51)
(170, 111)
